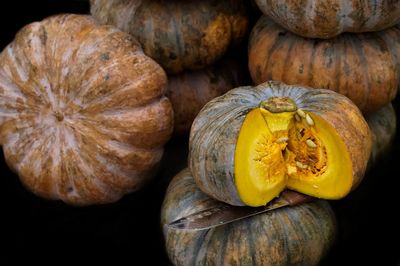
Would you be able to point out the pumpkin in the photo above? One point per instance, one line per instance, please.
(191, 90)
(364, 67)
(382, 124)
(299, 235)
(178, 34)
(253, 142)
(328, 18)
(83, 116)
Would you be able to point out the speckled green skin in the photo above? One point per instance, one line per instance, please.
(299, 235)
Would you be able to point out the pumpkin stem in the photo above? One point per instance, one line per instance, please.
(59, 116)
(279, 105)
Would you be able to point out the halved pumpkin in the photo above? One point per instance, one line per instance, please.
(259, 141)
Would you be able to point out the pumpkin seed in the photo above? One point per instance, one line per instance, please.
(301, 113)
(282, 139)
(309, 120)
(301, 165)
(297, 117)
(311, 143)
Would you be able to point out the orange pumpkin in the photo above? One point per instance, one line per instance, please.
(178, 34)
(191, 90)
(83, 116)
(364, 67)
(328, 18)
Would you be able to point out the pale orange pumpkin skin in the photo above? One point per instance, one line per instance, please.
(364, 67)
(328, 18)
(179, 35)
(83, 116)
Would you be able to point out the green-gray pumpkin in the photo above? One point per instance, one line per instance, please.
(299, 235)
(243, 152)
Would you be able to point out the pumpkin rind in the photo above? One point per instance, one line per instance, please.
(328, 18)
(83, 116)
(215, 131)
(299, 235)
(191, 90)
(364, 67)
(382, 124)
(177, 34)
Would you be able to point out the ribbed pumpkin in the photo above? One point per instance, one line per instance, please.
(251, 143)
(364, 67)
(191, 90)
(299, 235)
(82, 112)
(178, 34)
(328, 18)
(383, 130)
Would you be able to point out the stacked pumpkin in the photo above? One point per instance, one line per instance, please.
(188, 39)
(351, 47)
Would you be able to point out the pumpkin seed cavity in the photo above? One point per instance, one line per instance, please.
(303, 153)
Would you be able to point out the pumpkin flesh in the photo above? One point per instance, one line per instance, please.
(281, 149)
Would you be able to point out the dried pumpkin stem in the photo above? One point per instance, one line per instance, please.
(59, 116)
(279, 105)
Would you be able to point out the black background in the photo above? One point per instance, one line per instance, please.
(40, 231)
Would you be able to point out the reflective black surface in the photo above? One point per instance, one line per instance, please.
(128, 231)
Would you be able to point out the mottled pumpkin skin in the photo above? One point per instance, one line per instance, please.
(299, 235)
(328, 18)
(83, 116)
(215, 131)
(383, 130)
(364, 67)
(178, 34)
(191, 90)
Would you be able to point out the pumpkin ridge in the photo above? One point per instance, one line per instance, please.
(200, 240)
(310, 78)
(83, 186)
(179, 41)
(365, 71)
(251, 241)
(278, 42)
(224, 246)
(125, 89)
(287, 60)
